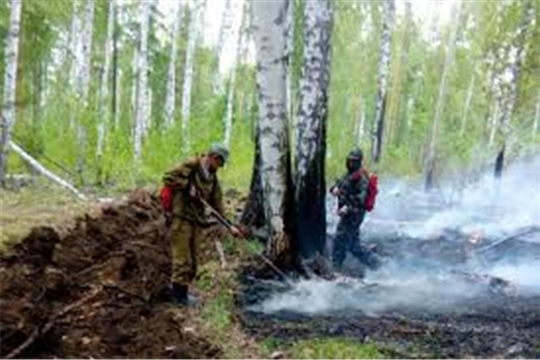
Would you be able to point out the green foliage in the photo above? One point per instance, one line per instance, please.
(49, 112)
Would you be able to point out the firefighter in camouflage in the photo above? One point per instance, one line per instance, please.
(194, 179)
(351, 191)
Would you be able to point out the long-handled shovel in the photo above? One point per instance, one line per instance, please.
(228, 225)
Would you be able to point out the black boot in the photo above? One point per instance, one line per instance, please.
(181, 295)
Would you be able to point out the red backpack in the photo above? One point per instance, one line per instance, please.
(372, 190)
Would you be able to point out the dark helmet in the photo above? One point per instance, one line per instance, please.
(354, 160)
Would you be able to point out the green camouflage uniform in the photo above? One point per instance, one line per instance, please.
(188, 214)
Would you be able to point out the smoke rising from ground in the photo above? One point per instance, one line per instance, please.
(413, 283)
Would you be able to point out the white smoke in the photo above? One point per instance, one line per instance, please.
(485, 208)
(488, 207)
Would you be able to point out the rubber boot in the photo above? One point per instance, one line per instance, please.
(182, 296)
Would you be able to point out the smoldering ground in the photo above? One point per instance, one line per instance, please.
(451, 267)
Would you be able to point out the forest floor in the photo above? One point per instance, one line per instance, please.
(75, 283)
(81, 280)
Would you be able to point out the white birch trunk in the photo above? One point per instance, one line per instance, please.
(290, 49)
(223, 29)
(134, 87)
(430, 158)
(74, 45)
(42, 170)
(232, 83)
(118, 103)
(494, 121)
(537, 115)
(188, 71)
(142, 81)
(86, 51)
(10, 83)
(104, 101)
(515, 69)
(310, 186)
(383, 68)
(466, 107)
(270, 29)
(170, 100)
(362, 122)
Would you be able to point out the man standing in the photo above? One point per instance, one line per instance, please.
(352, 191)
(190, 182)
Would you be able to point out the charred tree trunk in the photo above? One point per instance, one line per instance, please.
(270, 27)
(253, 213)
(310, 188)
(515, 67)
(10, 85)
(499, 163)
(384, 62)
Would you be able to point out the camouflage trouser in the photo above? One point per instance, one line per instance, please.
(348, 239)
(185, 240)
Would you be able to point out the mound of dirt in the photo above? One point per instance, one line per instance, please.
(96, 291)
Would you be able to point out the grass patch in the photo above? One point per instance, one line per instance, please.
(335, 348)
(36, 206)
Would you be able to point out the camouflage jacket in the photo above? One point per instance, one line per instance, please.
(353, 189)
(180, 180)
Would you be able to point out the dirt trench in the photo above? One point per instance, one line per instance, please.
(96, 291)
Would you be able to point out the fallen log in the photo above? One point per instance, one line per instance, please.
(42, 170)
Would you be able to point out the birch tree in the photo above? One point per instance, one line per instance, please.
(310, 189)
(232, 82)
(74, 42)
(142, 81)
(361, 122)
(104, 118)
(196, 10)
(510, 91)
(270, 27)
(223, 30)
(85, 51)
(10, 84)
(170, 100)
(384, 63)
(432, 144)
(466, 107)
(536, 115)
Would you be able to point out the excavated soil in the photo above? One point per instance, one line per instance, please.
(96, 291)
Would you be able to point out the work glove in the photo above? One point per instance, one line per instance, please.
(343, 211)
(193, 192)
(236, 232)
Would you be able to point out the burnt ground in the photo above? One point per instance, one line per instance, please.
(95, 291)
(491, 324)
